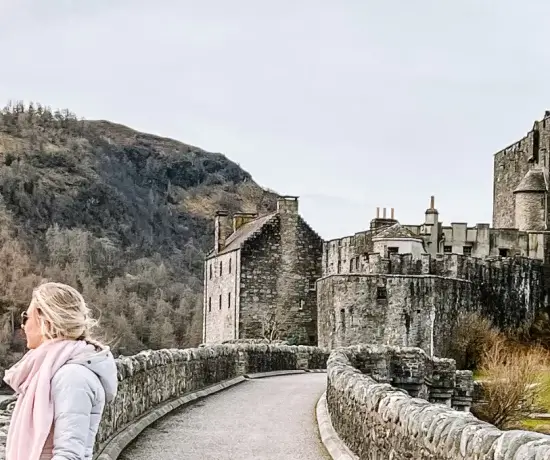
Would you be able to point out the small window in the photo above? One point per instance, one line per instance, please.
(312, 285)
(343, 318)
(503, 252)
(302, 304)
(220, 306)
(381, 293)
(209, 304)
(210, 270)
(351, 266)
(221, 268)
(447, 249)
(467, 250)
(357, 263)
(229, 300)
(392, 250)
(230, 264)
(339, 267)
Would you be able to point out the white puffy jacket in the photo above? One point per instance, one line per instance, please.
(79, 390)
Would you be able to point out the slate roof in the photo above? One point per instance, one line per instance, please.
(236, 239)
(395, 231)
(533, 181)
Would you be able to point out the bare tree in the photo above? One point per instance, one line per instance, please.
(274, 323)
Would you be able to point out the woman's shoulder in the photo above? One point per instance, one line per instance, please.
(70, 374)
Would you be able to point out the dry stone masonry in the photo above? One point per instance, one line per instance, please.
(384, 402)
(405, 301)
(397, 403)
(152, 378)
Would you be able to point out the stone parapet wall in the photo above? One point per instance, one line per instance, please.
(152, 378)
(378, 420)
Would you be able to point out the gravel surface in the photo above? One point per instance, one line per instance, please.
(271, 418)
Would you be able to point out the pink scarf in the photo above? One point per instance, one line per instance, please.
(32, 417)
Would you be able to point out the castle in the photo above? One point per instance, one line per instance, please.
(391, 284)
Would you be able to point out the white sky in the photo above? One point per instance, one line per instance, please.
(350, 105)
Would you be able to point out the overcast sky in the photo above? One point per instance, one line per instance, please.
(350, 105)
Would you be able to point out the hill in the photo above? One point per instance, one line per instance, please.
(124, 216)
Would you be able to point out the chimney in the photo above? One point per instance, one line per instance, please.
(242, 218)
(431, 214)
(287, 204)
(384, 221)
(220, 229)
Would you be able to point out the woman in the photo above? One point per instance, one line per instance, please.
(62, 383)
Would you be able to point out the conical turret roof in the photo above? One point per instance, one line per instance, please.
(532, 182)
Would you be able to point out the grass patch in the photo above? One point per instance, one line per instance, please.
(535, 424)
(544, 397)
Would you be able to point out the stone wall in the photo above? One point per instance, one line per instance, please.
(510, 166)
(395, 310)
(279, 267)
(152, 378)
(378, 420)
(221, 296)
(416, 302)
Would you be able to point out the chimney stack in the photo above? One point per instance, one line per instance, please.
(220, 229)
(384, 221)
(432, 202)
(287, 204)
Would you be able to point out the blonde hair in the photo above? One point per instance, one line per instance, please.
(63, 313)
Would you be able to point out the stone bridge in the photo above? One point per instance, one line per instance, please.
(374, 402)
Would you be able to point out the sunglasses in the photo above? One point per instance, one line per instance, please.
(24, 318)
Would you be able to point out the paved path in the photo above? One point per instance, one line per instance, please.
(269, 419)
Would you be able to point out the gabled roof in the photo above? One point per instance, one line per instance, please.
(236, 239)
(533, 181)
(393, 232)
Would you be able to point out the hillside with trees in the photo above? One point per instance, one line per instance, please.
(124, 216)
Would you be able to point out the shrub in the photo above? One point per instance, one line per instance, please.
(472, 335)
(514, 380)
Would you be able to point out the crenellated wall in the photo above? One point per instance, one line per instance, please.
(377, 420)
(151, 379)
(416, 302)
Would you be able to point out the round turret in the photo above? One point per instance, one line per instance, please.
(530, 197)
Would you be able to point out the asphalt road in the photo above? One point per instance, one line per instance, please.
(270, 418)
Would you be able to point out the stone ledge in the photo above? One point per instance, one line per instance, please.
(332, 442)
(120, 441)
(261, 375)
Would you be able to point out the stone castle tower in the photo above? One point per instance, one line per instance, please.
(520, 189)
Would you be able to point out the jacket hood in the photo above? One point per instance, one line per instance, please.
(102, 363)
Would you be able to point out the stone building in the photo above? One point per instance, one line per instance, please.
(392, 283)
(259, 280)
(404, 284)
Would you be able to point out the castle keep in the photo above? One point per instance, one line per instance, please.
(391, 284)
